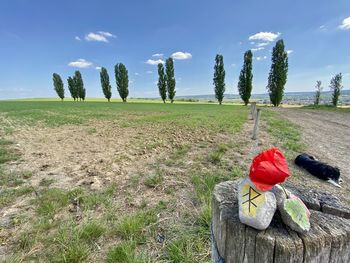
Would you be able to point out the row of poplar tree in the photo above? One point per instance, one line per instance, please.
(166, 79)
(166, 83)
(76, 84)
(276, 81)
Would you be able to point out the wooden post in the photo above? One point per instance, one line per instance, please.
(327, 241)
(256, 125)
(252, 109)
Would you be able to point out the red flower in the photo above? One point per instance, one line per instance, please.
(268, 168)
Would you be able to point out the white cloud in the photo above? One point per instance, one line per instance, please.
(159, 55)
(98, 68)
(261, 58)
(263, 44)
(154, 62)
(106, 34)
(181, 55)
(137, 74)
(77, 38)
(252, 43)
(265, 36)
(80, 63)
(100, 36)
(290, 51)
(257, 49)
(149, 71)
(345, 24)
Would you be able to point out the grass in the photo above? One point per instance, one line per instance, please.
(6, 153)
(226, 118)
(50, 201)
(11, 183)
(9, 195)
(125, 252)
(284, 132)
(134, 227)
(216, 155)
(111, 226)
(184, 248)
(153, 180)
(91, 231)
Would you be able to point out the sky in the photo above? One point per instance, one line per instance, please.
(39, 38)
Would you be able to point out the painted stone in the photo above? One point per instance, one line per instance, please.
(293, 211)
(256, 208)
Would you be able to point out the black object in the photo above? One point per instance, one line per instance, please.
(319, 169)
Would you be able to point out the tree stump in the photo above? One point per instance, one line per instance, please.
(327, 241)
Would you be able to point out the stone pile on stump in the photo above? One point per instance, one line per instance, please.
(328, 239)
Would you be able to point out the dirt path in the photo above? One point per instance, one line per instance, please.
(326, 134)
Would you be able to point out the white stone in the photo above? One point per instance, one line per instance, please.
(256, 208)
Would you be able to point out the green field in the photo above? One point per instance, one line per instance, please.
(114, 182)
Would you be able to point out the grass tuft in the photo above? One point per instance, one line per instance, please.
(153, 180)
(134, 227)
(91, 231)
(217, 154)
(50, 201)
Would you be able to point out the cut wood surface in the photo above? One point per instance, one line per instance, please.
(327, 241)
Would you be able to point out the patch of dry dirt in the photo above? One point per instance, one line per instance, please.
(94, 154)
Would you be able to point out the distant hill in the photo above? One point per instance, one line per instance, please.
(289, 97)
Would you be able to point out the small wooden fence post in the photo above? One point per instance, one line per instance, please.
(256, 125)
(253, 110)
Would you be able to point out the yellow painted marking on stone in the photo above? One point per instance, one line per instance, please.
(251, 200)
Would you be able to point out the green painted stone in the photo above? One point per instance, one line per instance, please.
(295, 215)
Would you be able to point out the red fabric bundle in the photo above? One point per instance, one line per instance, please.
(268, 168)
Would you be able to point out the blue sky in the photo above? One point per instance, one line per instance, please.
(38, 38)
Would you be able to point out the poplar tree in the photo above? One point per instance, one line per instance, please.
(79, 85)
(162, 82)
(219, 78)
(246, 77)
(336, 88)
(318, 92)
(170, 79)
(106, 86)
(278, 73)
(122, 80)
(58, 85)
(72, 88)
